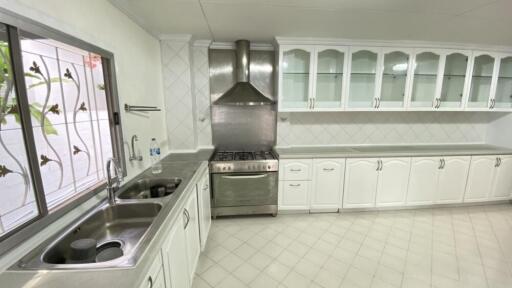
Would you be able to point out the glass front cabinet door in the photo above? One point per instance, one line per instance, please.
(481, 85)
(295, 78)
(362, 92)
(503, 96)
(454, 87)
(329, 78)
(394, 80)
(425, 80)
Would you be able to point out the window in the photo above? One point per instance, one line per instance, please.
(57, 128)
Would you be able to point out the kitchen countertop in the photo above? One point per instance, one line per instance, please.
(181, 165)
(389, 151)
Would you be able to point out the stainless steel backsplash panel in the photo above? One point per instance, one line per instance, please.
(239, 127)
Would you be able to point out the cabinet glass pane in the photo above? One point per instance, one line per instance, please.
(329, 79)
(504, 88)
(295, 78)
(453, 80)
(17, 203)
(362, 79)
(424, 79)
(481, 81)
(396, 65)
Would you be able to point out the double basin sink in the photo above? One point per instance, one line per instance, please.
(109, 235)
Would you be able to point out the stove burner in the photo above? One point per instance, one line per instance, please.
(224, 156)
(263, 155)
(244, 156)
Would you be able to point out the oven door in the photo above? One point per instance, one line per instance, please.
(244, 189)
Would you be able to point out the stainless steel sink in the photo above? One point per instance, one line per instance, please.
(147, 188)
(120, 226)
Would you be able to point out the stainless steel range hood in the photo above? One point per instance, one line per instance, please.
(243, 93)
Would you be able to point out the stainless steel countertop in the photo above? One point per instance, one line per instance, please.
(389, 151)
(181, 165)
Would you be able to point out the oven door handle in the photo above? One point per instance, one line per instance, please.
(255, 176)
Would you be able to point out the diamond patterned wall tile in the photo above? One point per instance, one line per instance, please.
(178, 94)
(201, 91)
(354, 128)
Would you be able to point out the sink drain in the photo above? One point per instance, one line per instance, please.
(109, 250)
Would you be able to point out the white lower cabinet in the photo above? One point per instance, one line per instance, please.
(294, 195)
(393, 181)
(489, 179)
(361, 179)
(154, 277)
(423, 181)
(204, 205)
(503, 181)
(327, 184)
(191, 219)
(452, 180)
(174, 252)
(481, 178)
(439, 180)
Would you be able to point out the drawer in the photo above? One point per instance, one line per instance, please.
(294, 170)
(294, 195)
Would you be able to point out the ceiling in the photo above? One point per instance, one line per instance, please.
(468, 21)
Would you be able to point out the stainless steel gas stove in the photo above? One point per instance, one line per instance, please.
(244, 182)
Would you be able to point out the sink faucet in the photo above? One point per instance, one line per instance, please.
(134, 155)
(111, 189)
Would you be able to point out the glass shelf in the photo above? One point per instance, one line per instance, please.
(362, 79)
(424, 79)
(329, 78)
(295, 78)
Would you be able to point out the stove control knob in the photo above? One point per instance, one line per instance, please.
(269, 167)
(224, 168)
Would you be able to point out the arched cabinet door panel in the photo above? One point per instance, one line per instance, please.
(361, 177)
(295, 80)
(327, 184)
(362, 90)
(425, 80)
(330, 78)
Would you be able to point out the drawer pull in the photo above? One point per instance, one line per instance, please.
(150, 282)
(294, 185)
(328, 169)
(295, 170)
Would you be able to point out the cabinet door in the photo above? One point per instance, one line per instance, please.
(426, 80)
(503, 180)
(503, 95)
(154, 277)
(393, 181)
(295, 80)
(294, 195)
(361, 178)
(205, 215)
(482, 74)
(481, 178)
(394, 80)
(327, 184)
(363, 79)
(191, 218)
(456, 70)
(452, 180)
(174, 252)
(423, 181)
(295, 169)
(329, 78)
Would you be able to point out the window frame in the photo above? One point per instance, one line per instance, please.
(14, 23)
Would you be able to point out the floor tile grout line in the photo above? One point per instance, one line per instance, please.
(479, 251)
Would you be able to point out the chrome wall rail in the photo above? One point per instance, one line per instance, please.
(136, 108)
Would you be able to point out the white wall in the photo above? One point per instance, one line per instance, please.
(139, 80)
(360, 128)
(137, 56)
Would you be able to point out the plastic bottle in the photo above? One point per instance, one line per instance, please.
(154, 154)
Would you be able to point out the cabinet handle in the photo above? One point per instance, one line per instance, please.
(328, 169)
(295, 170)
(493, 103)
(294, 185)
(150, 282)
(187, 216)
(375, 102)
(378, 165)
(438, 103)
(314, 103)
(378, 103)
(499, 161)
(440, 164)
(496, 164)
(206, 187)
(310, 103)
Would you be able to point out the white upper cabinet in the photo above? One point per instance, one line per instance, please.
(330, 78)
(455, 80)
(394, 79)
(502, 98)
(483, 72)
(425, 80)
(363, 83)
(295, 80)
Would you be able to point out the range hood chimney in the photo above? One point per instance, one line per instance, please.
(243, 93)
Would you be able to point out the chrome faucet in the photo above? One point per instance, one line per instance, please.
(133, 154)
(111, 189)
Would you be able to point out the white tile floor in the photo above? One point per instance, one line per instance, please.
(449, 247)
